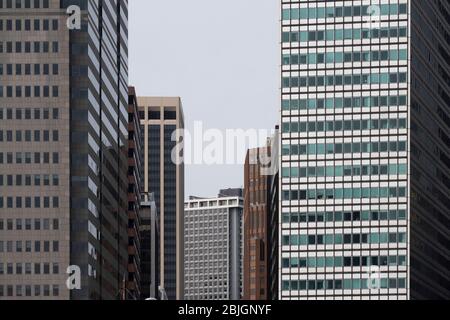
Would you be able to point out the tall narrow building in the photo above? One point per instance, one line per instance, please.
(273, 220)
(63, 150)
(260, 272)
(135, 197)
(257, 189)
(162, 118)
(365, 150)
(214, 246)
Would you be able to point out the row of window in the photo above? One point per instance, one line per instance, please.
(29, 202)
(191, 295)
(27, 246)
(29, 224)
(344, 125)
(29, 158)
(29, 268)
(346, 284)
(205, 216)
(27, 135)
(347, 216)
(344, 262)
(344, 103)
(29, 47)
(345, 171)
(29, 69)
(200, 245)
(346, 80)
(29, 180)
(344, 11)
(29, 91)
(25, 4)
(29, 114)
(29, 25)
(214, 260)
(341, 148)
(341, 239)
(343, 193)
(218, 279)
(26, 290)
(341, 57)
(344, 34)
(222, 269)
(208, 286)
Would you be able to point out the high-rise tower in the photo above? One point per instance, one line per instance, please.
(63, 113)
(365, 150)
(162, 119)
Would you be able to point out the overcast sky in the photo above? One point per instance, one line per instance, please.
(220, 57)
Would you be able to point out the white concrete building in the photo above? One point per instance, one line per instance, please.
(213, 237)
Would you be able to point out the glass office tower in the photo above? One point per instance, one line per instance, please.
(344, 227)
(365, 150)
(99, 147)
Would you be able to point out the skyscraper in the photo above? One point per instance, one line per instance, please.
(63, 113)
(214, 246)
(364, 177)
(161, 118)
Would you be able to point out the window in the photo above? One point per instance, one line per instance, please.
(55, 290)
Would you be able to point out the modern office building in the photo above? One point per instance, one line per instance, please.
(63, 151)
(162, 119)
(365, 153)
(214, 246)
(135, 197)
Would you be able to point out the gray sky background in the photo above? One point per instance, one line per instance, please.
(220, 57)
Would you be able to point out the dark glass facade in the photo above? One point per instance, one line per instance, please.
(99, 148)
(154, 160)
(430, 149)
(170, 213)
